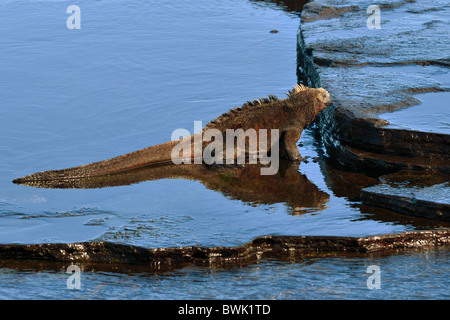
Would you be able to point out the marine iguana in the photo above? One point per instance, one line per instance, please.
(290, 116)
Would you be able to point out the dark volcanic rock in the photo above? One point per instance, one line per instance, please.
(107, 255)
(409, 201)
(413, 193)
(369, 72)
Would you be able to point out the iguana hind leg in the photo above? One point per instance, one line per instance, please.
(289, 143)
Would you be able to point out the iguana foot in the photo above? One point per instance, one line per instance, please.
(290, 139)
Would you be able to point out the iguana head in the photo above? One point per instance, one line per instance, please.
(323, 100)
(317, 98)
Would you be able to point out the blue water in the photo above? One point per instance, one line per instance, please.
(428, 116)
(410, 275)
(430, 113)
(133, 73)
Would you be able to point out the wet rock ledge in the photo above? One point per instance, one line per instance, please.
(372, 73)
(116, 255)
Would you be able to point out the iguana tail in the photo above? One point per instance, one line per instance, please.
(158, 154)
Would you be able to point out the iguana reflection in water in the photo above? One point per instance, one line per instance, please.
(243, 183)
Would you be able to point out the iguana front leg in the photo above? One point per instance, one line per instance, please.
(289, 143)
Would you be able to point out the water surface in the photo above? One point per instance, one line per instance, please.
(132, 74)
(406, 276)
(429, 115)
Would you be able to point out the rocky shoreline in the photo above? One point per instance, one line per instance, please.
(369, 72)
(364, 70)
(121, 257)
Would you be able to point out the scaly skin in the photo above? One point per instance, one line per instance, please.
(290, 116)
